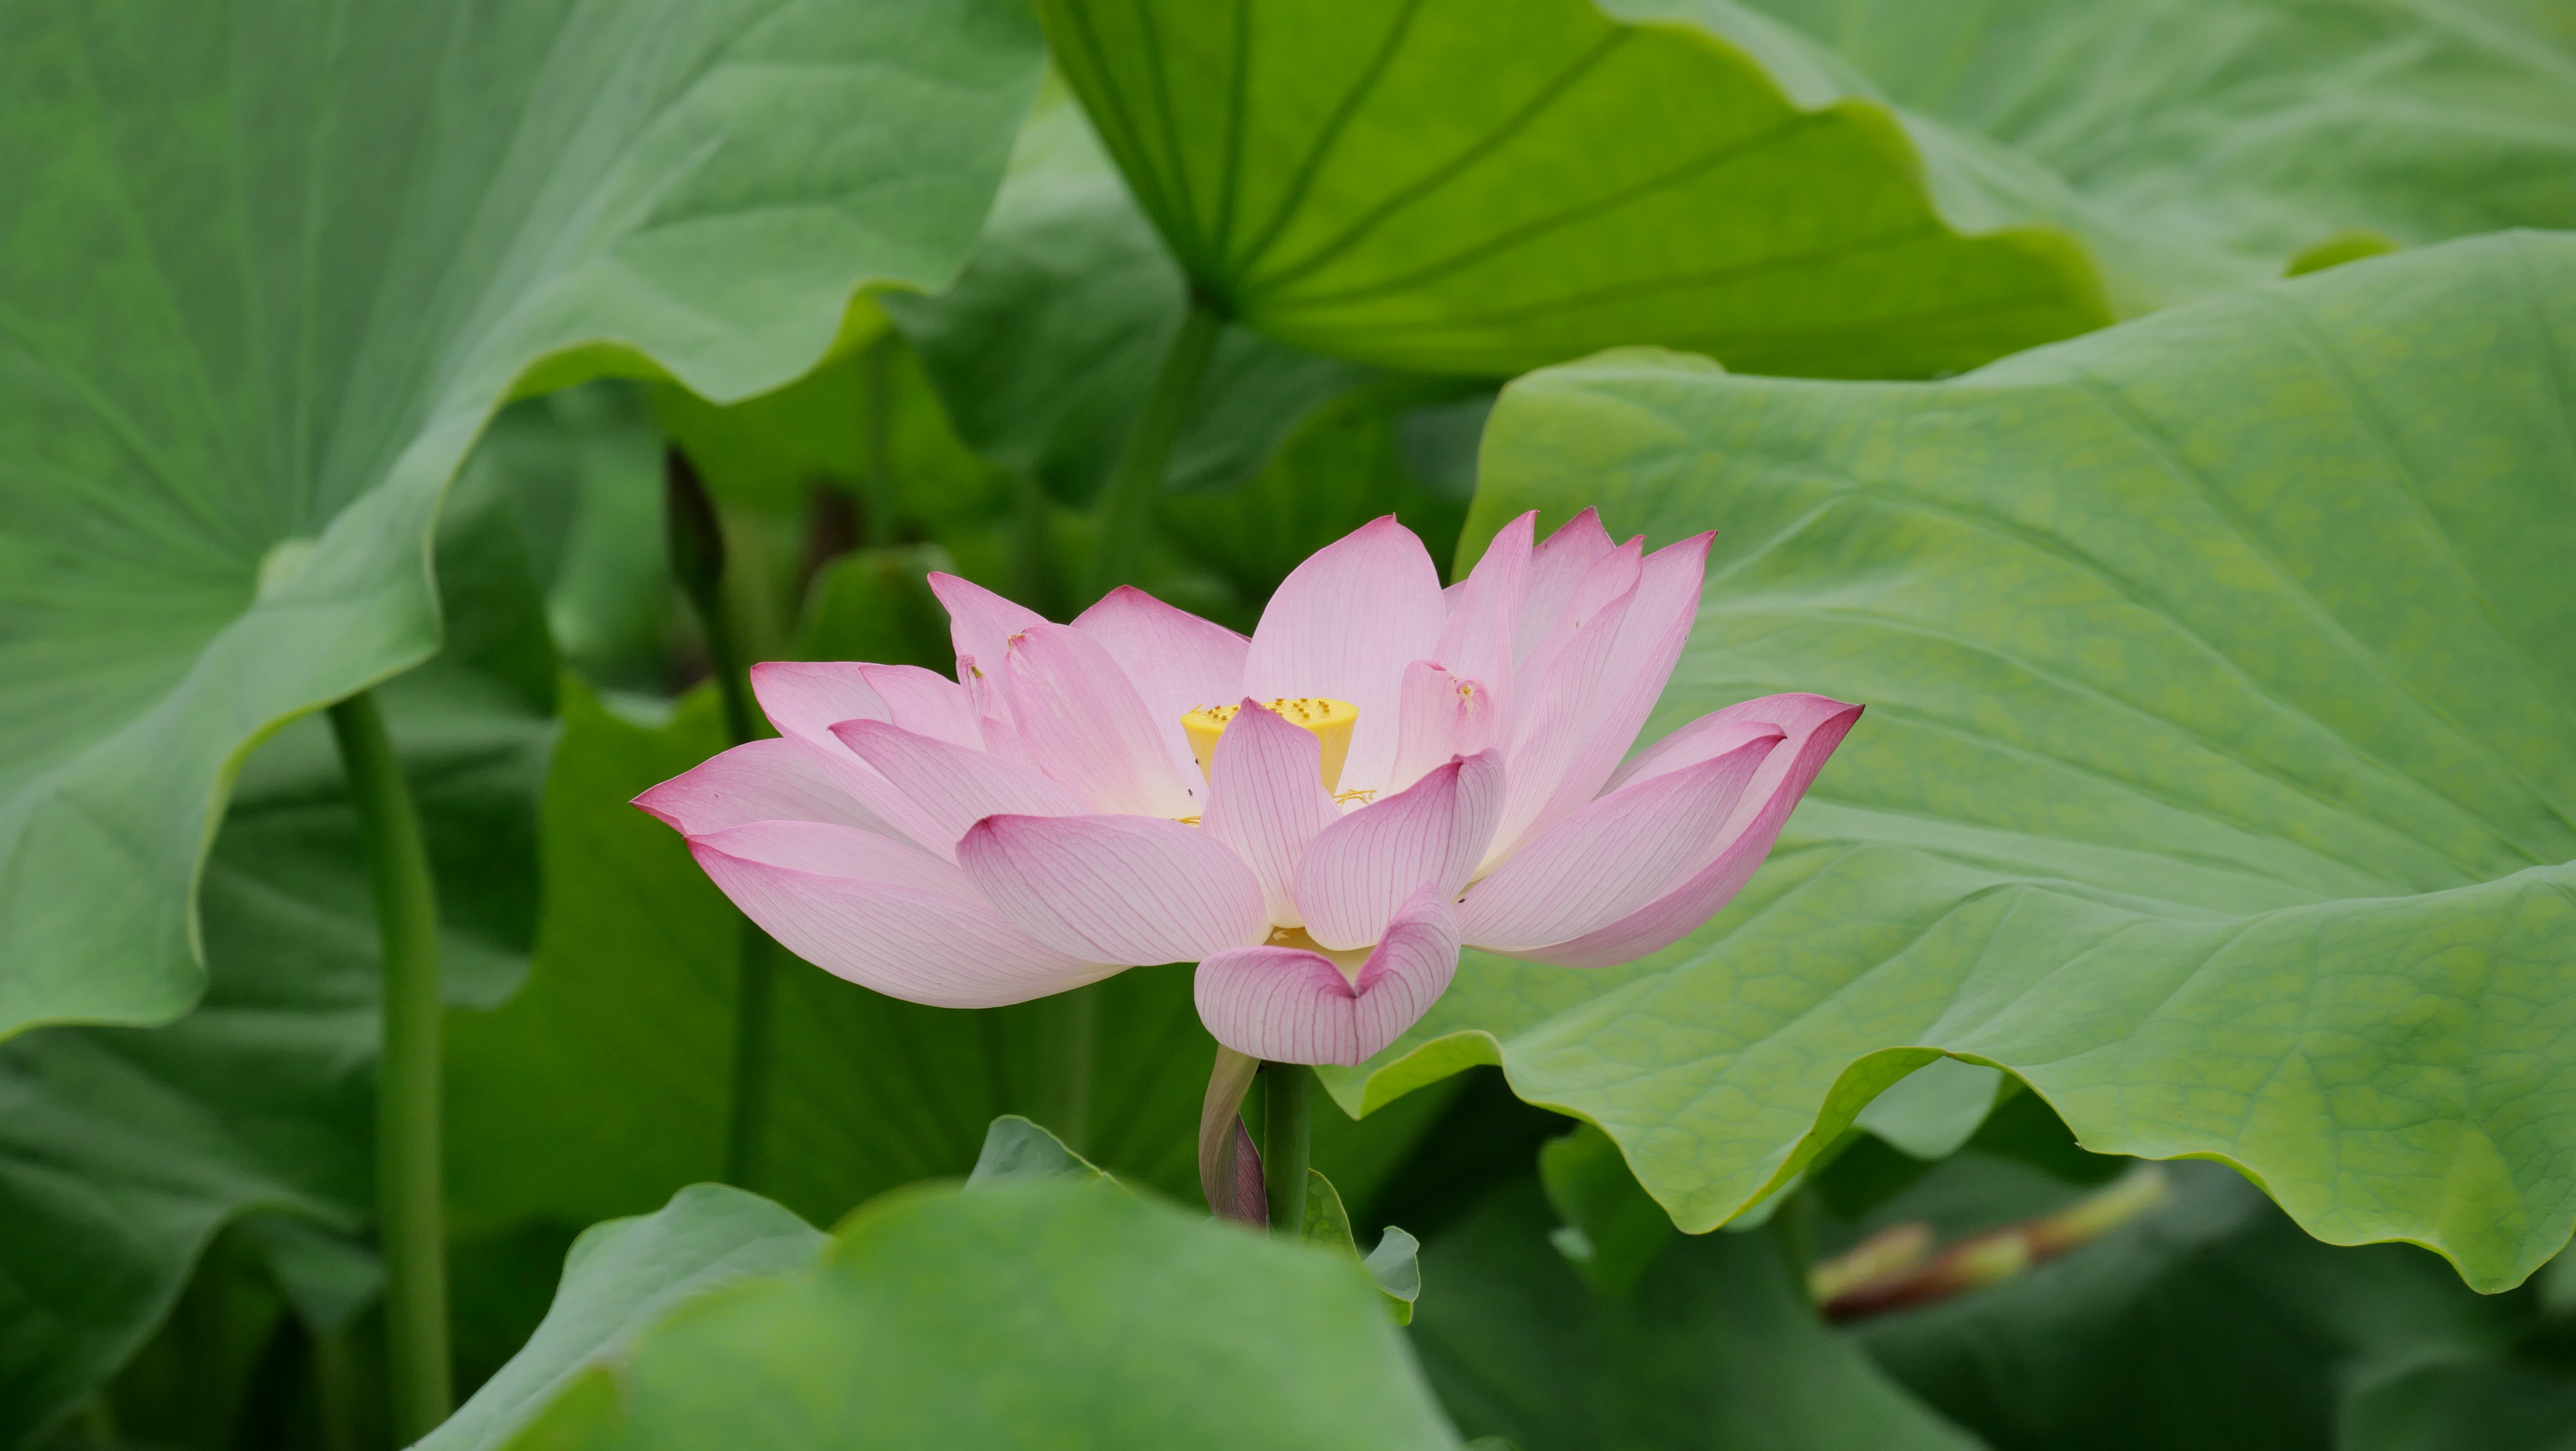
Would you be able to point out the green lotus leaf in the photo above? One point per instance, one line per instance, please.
(2267, 135)
(1715, 1349)
(623, 1277)
(262, 280)
(2217, 776)
(1028, 1313)
(123, 1150)
(1465, 187)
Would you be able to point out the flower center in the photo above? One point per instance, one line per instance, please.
(1329, 721)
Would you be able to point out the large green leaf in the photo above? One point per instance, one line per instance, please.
(1470, 187)
(123, 1150)
(1717, 1349)
(2217, 778)
(265, 272)
(2210, 1322)
(1042, 1313)
(1480, 187)
(622, 1278)
(2249, 130)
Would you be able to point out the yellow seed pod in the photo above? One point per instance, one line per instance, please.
(1329, 721)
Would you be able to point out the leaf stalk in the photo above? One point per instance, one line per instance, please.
(409, 1201)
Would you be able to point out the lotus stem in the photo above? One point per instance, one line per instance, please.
(1127, 509)
(1065, 1061)
(408, 1191)
(698, 565)
(1283, 1145)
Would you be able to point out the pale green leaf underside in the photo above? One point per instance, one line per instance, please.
(1029, 1313)
(266, 269)
(623, 1277)
(2250, 129)
(2219, 776)
(1482, 187)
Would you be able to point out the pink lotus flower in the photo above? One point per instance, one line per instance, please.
(1404, 771)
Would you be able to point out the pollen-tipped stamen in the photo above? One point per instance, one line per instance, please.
(1329, 721)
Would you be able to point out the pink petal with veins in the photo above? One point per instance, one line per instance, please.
(1747, 838)
(1557, 564)
(1085, 726)
(1343, 626)
(771, 780)
(884, 915)
(1430, 835)
(1481, 639)
(1129, 889)
(1293, 1006)
(950, 787)
(1439, 717)
(1266, 802)
(1176, 660)
(1616, 854)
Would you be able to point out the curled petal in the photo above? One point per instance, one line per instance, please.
(1618, 853)
(1554, 699)
(1795, 714)
(1127, 889)
(1362, 868)
(884, 915)
(1292, 1006)
(951, 787)
(771, 780)
(1176, 660)
(1343, 625)
(1266, 802)
(1751, 829)
(1086, 726)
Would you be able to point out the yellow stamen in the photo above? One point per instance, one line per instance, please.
(1329, 721)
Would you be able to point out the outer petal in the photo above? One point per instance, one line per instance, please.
(1293, 1006)
(1482, 637)
(1606, 717)
(1086, 727)
(884, 915)
(1795, 713)
(805, 699)
(1616, 854)
(1344, 624)
(1750, 831)
(1440, 716)
(1266, 802)
(772, 780)
(1366, 865)
(927, 704)
(980, 623)
(1129, 889)
(1554, 701)
(1176, 660)
(951, 787)
(1556, 566)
